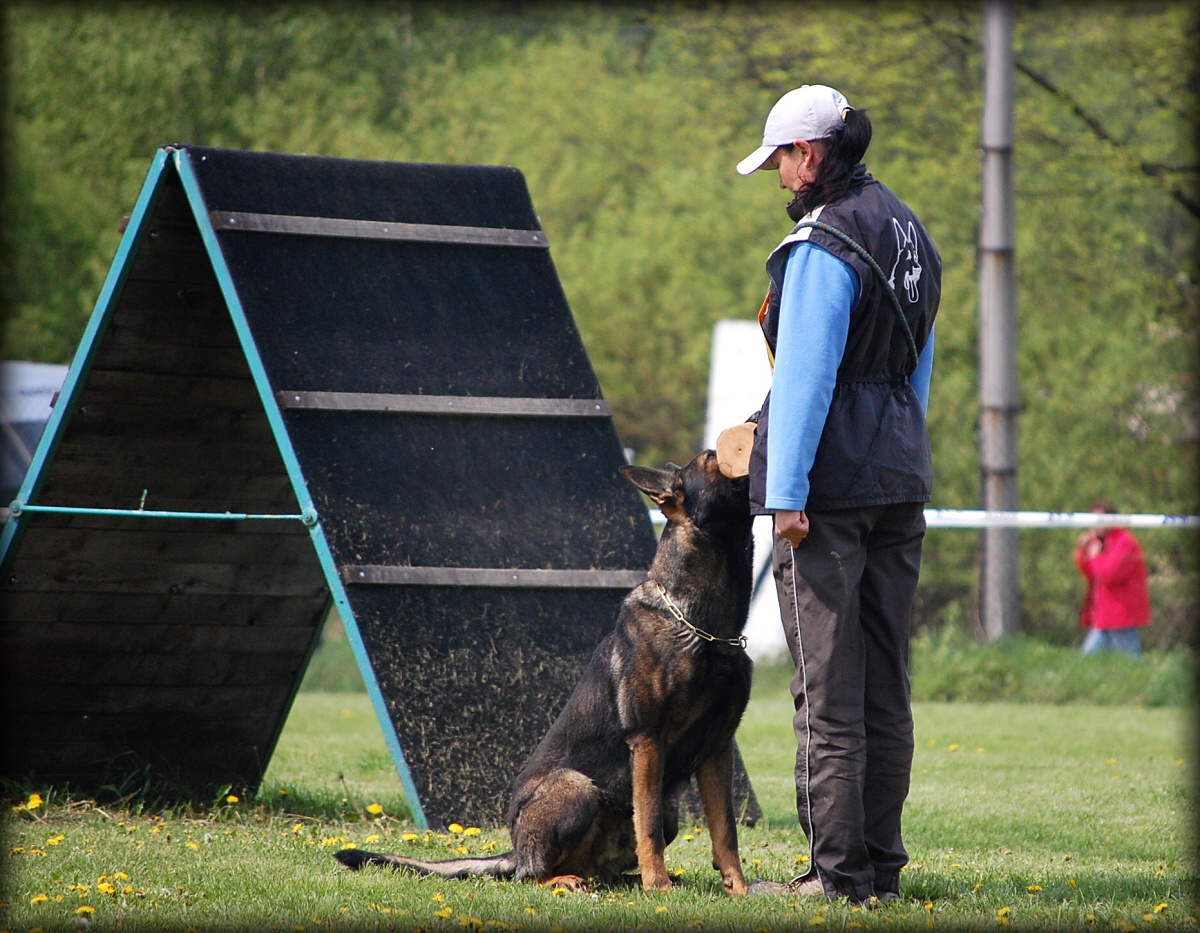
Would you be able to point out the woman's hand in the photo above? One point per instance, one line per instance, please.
(791, 525)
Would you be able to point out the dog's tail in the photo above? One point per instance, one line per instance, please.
(496, 866)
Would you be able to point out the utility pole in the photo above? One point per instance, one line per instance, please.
(1000, 595)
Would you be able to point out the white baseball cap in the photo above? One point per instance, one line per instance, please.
(813, 111)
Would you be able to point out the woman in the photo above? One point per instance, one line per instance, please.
(841, 459)
(1117, 602)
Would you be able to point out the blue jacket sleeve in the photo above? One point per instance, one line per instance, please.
(819, 292)
(923, 373)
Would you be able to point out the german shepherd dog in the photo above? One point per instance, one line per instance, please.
(659, 702)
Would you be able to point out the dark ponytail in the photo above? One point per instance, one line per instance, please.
(840, 168)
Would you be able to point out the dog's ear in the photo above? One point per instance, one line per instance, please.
(657, 484)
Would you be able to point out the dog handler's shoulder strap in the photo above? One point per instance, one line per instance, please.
(866, 257)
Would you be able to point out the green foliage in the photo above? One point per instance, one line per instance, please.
(627, 121)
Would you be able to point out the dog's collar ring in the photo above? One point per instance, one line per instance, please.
(739, 642)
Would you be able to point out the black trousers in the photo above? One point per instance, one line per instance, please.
(845, 597)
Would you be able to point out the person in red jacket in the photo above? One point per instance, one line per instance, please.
(1117, 603)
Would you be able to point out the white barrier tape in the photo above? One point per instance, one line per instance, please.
(977, 518)
(969, 518)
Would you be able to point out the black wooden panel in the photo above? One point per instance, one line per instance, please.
(407, 192)
(472, 492)
(474, 677)
(169, 642)
(180, 644)
(421, 319)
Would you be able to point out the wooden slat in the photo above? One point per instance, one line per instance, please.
(79, 760)
(106, 669)
(134, 636)
(446, 404)
(197, 730)
(376, 230)
(138, 618)
(125, 576)
(154, 544)
(186, 698)
(492, 577)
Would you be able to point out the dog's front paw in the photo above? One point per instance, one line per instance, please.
(656, 882)
(567, 883)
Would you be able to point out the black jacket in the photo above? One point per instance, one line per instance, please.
(874, 449)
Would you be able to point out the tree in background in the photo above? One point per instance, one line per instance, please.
(627, 122)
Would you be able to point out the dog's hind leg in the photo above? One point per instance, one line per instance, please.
(496, 866)
(555, 828)
(714, 780)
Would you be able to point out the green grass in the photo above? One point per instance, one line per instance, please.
(1029, 815)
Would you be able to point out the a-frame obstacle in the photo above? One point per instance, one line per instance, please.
(312, 382)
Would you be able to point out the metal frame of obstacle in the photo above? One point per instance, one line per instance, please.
(263, 366)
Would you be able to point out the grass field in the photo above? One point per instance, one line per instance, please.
(1026, 815)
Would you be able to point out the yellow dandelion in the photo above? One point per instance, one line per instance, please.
(816, 921)
(1159, 908)
(128, 889)
(39, 899)
(106, 887)
(472, 831)
(34, 801)
(298, 828)
(372, 837)
(374, 809)
(232, 798)
(55, 840)
(952, 747)
(1034, 888)
(1071, 883)
(18, 850)
(192, 845)
(661, 909)
(84, 910)
(444, 913)
(688, 838)
(1004, 912)
(283, 793)
(454, 828)
(409, 837)
(121, 876)
(801, 859)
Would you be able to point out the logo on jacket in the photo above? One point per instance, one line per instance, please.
(907, 260)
